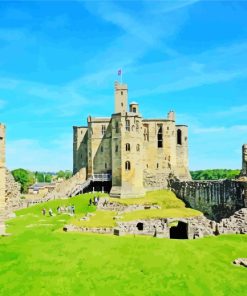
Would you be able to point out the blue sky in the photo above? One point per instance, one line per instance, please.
(59, 61)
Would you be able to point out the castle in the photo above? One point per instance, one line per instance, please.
(139, 154)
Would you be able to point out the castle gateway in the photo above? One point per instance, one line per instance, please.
(139, 154)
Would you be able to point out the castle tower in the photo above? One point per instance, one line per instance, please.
(2, 168)
(127, 147)
(121, 98)
(244, 160)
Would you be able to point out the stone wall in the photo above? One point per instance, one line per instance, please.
(216, 199)
(104, 204)
(12, 193)
(65, 188)
(197, 227)
(2, 168)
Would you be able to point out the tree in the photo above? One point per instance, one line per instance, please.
(25, 178)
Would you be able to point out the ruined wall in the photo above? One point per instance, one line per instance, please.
(216, 199)
(244, 160)
(12, 193)
(80, 136)
(2, 168)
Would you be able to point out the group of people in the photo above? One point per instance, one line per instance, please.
(94, 201)
(69, 209)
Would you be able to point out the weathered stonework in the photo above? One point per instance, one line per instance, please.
(12, 193)
(194, 227)
(117, 207)
(216, 199)
(2, 168)
(9, 189)
(139, 153)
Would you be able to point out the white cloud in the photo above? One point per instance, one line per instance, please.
(234, 110)
(219, 129)
(33, 155)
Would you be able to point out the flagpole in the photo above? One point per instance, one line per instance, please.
(121, 76)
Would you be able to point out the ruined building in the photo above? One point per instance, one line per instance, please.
(139, 154)
(2, 168)
(9, 189)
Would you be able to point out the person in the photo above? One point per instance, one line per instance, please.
(44, 211)
(155, 231)
(105, 203)
(90, 201)
(95, 200)
(73, 209)
(58, 210)
(50, 212)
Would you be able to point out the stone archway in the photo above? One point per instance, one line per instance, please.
(180, 231)
(139, 226)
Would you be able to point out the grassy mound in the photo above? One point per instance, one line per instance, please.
(164, 198)
(170, 207)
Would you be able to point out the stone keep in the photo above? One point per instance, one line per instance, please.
(139, 153)
(2, 168)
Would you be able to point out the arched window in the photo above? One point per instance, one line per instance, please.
(138, 147)
(127, 147)
(127, 166)
(105, 165)
(179, 137)
(116, 148)
(101, 148)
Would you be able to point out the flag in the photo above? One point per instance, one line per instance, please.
(119, 72)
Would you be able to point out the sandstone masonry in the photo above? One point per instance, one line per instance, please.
(139, 154)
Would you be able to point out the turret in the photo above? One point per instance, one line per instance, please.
(121, 98)
(171, 115)
(134, 107)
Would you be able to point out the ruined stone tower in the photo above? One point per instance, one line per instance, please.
(244, 160)
(2, 168)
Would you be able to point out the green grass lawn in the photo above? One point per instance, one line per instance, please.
(99, 219)
(39, 259)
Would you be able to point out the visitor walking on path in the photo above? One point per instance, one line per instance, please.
(50, 212)
(43, 211)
